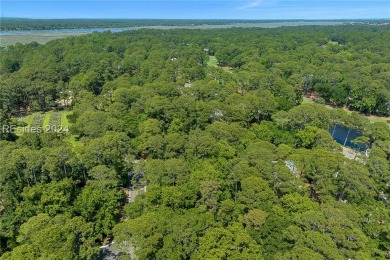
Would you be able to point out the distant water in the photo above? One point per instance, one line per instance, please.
(164, 27)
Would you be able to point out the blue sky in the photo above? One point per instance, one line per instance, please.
(201, 9)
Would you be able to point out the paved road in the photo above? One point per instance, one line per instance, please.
(110, 252)
(134, 193)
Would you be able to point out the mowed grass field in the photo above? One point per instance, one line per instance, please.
(213, 62)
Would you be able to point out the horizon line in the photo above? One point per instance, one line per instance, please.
(201, 19)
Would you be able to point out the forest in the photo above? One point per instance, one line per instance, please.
(212, 124)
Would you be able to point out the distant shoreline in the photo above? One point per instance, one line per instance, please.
(24, 24)
(195, 26)
(11, 37)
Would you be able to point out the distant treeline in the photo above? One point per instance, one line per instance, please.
(341, 65)
(12, 24)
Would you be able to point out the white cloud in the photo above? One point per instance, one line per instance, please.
(251, 4)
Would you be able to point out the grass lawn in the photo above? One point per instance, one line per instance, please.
(64, 119)
(214, 63)
(374, 119)
(28, 119)
(307, 101)
(46, 121)
(227, 69)
(333, 43)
